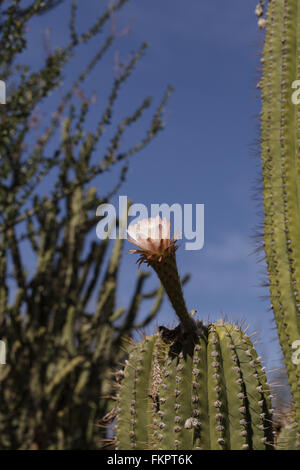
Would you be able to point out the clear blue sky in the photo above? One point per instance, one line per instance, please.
(208, 50)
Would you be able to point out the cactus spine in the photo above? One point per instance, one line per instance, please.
(207, 394)
(280, 153)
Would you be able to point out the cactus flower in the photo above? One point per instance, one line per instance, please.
(152, 236)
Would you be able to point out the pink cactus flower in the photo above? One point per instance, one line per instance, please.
(152, 236)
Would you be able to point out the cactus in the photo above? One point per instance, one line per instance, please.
(58, 312)
(288, 437)
(210, 393)
(194, 387)
(280, 159)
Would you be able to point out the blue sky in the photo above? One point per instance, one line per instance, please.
(209, 52)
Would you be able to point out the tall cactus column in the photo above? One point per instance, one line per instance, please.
(280, 153)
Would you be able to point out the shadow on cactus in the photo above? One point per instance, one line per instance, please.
(193, 387)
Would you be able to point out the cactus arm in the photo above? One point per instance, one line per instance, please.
(256, 393)
(280, 133)
(183, 379)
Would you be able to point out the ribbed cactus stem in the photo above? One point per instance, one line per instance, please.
(280, 152)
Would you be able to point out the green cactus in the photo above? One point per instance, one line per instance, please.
(280, 154)
(59, 316)
(288, 437)
(210, 393)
